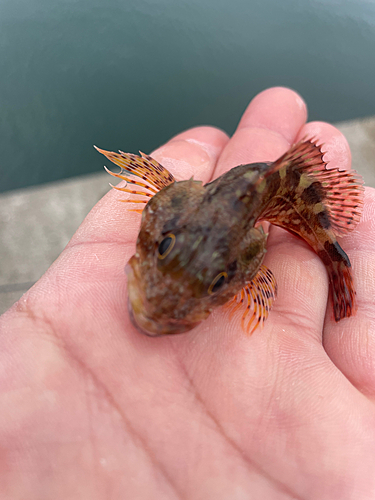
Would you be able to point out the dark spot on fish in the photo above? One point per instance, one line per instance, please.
(333, 252)
(292, 179)
(313, 194)
(231, 269)
(323, 219)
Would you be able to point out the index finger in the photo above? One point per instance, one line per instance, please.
(267, 128)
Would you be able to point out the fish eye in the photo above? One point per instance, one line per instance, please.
(217, 282)
(166, 246)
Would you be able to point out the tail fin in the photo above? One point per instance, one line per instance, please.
(342, 290)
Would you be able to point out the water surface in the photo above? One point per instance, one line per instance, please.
(129, 74)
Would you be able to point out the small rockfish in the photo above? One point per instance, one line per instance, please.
(202, 246)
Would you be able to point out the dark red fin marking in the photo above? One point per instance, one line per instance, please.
(257, 297)
(154, 175)
(341, 280)
(342, 290)
(343, 189)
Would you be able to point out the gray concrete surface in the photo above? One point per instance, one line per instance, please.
(361, 137)
(37, 223)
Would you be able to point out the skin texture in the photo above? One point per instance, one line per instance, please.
(92, 409)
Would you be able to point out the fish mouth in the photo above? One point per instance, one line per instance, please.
(154, 328)
(147, 323)
(135, 323)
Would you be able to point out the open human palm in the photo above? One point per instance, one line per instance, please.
(92, 409)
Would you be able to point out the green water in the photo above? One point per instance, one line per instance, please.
(129, 74)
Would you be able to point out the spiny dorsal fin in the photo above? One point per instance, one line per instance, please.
(343, 189)
(154, 175)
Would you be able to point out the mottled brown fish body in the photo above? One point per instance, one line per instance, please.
(200, 247)
(208, 239)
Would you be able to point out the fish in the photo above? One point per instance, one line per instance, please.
(201, 246)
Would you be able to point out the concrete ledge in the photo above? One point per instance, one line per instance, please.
(361, 137)
(37, 223)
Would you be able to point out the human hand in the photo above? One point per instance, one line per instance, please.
(92, 409)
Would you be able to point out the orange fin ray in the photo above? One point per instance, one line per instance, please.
(135, 210)
(342, 189)
(132, 191)
(134, 201)
(257, 296)
(130, 180)
(144, 167)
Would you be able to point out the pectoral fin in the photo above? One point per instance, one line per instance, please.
(257, 298)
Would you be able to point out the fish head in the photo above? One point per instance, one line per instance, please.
(190, 259)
